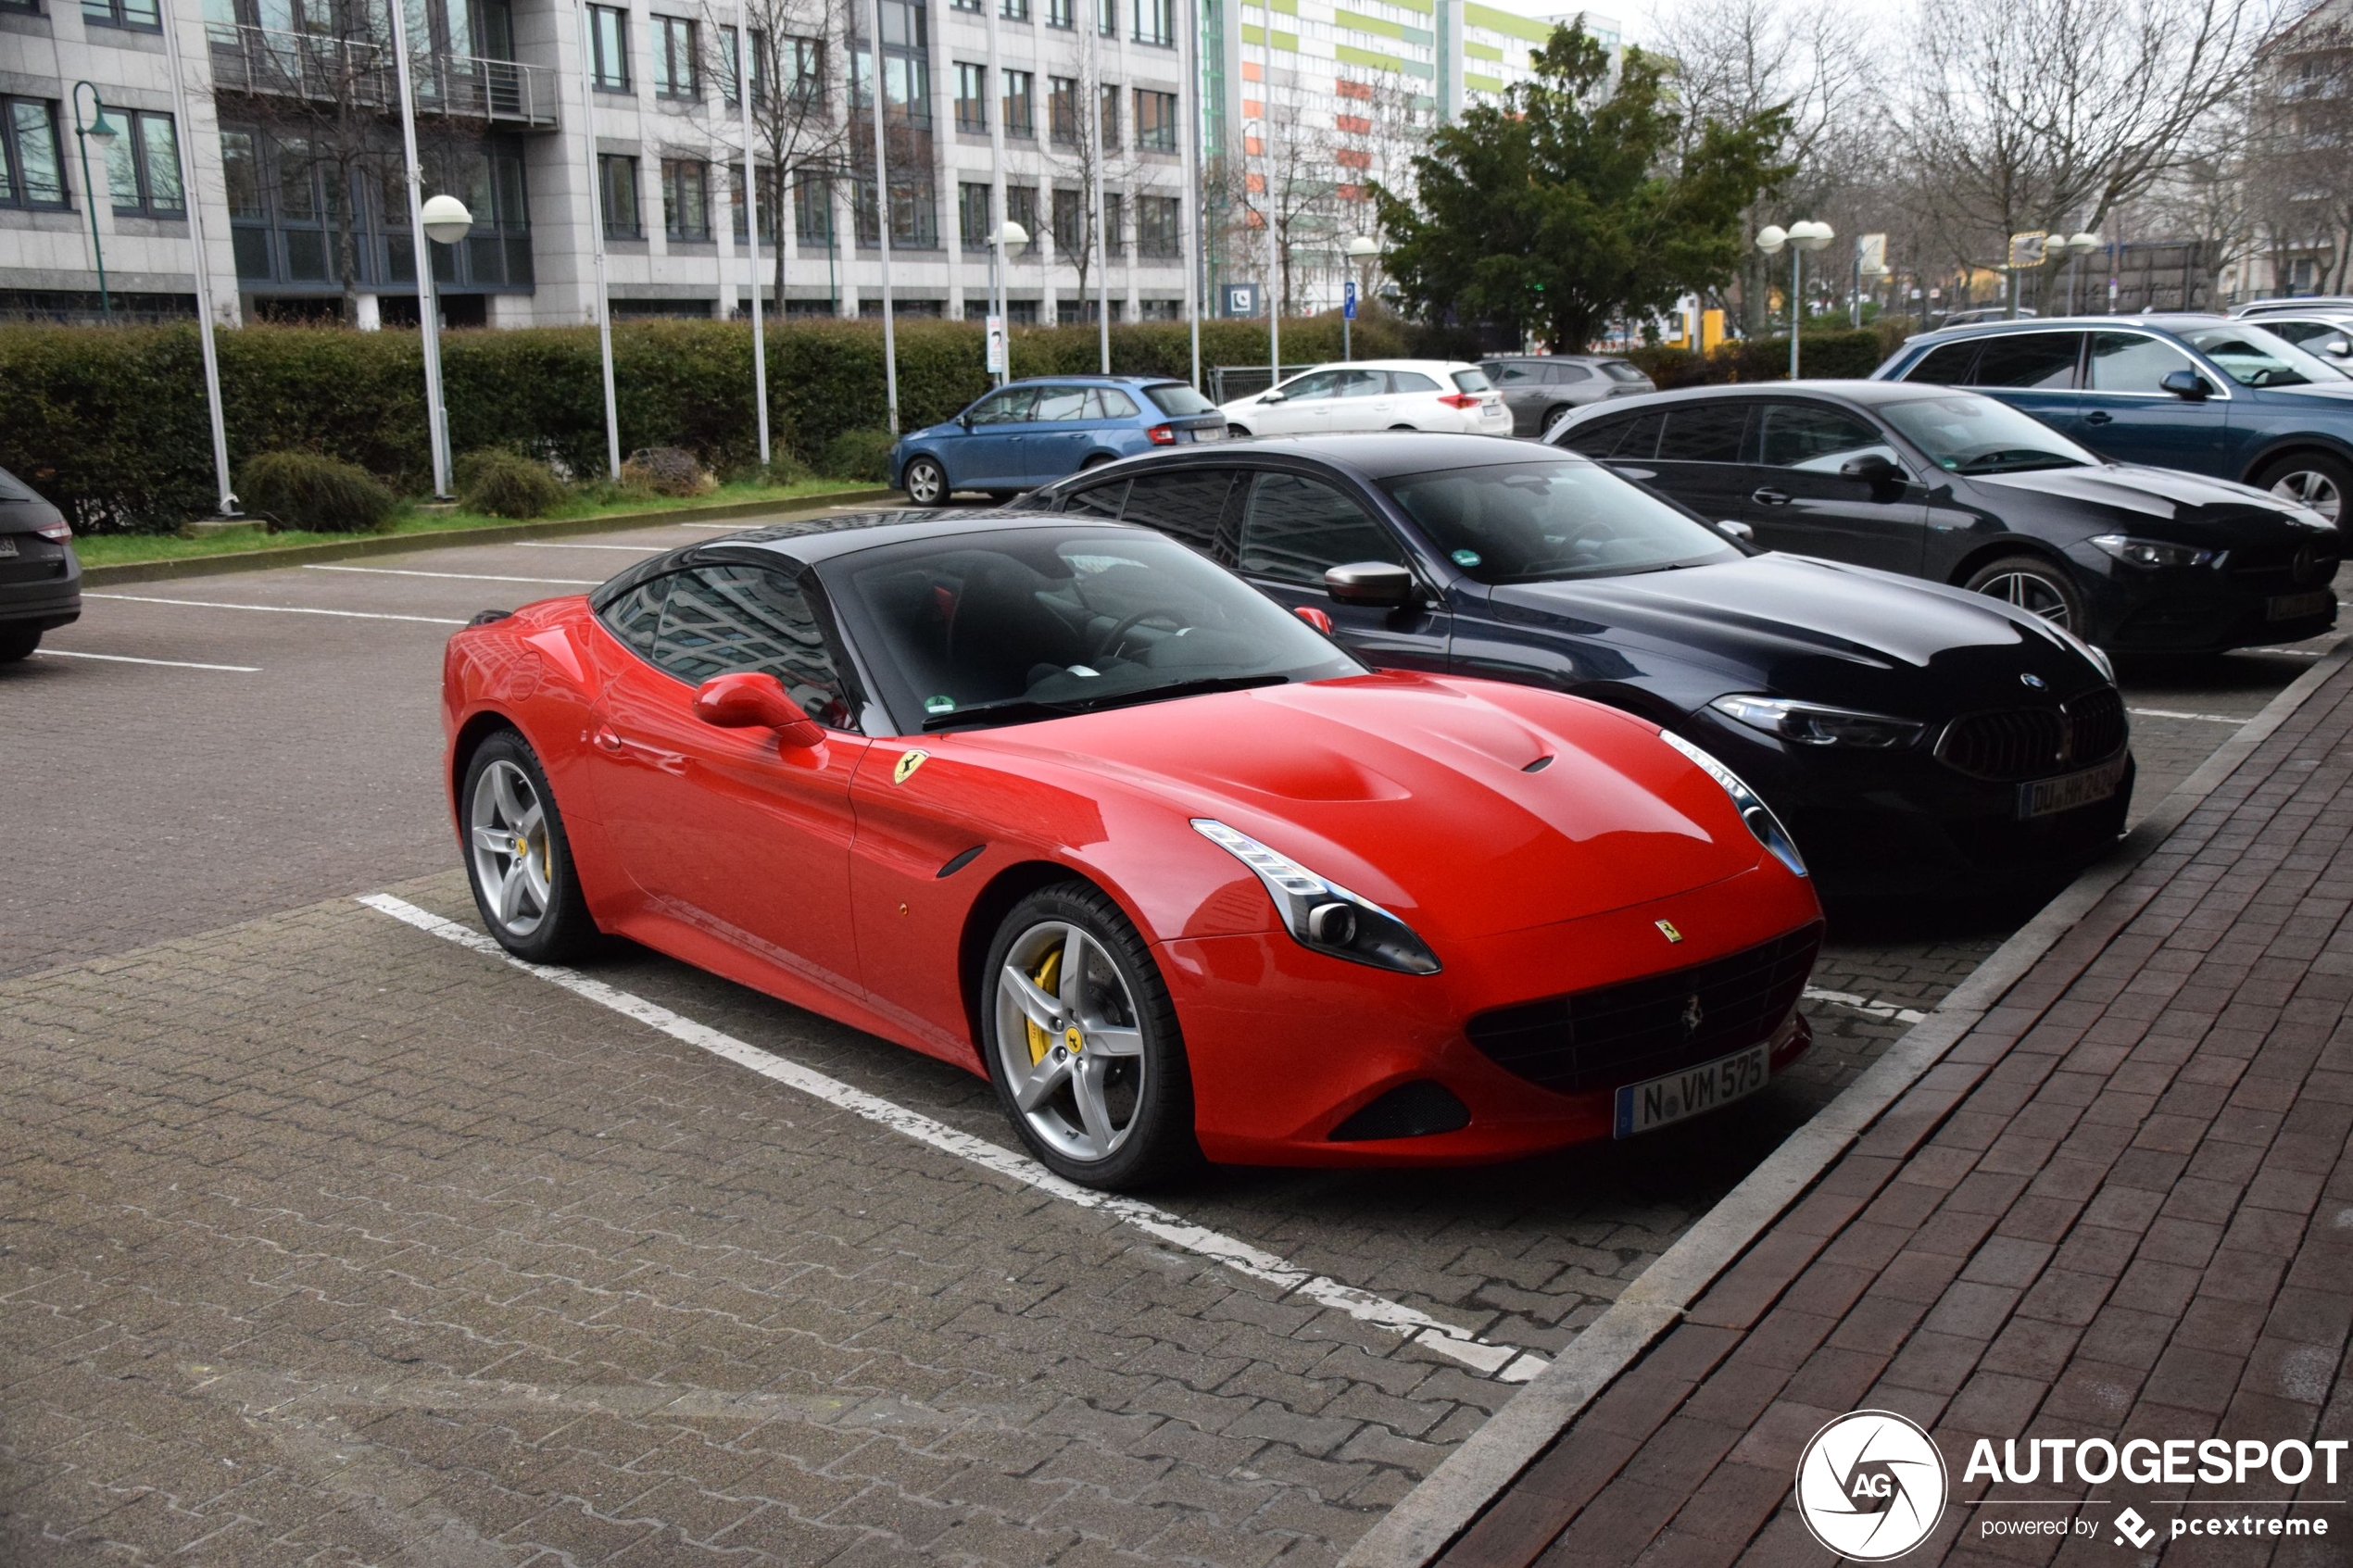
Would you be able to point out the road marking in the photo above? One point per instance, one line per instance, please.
(1864, 1005)
(2173, 713)
(167, 663)
(566, 545)
(462, 576)
(279, 609)
(1507, 1364)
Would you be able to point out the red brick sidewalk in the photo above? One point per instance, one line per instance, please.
(2121, 1207)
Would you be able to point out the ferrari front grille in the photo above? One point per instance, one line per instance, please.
(1616, 1034)
(2011, 745)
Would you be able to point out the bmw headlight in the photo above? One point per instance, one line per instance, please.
(1811, 723)
(2097, 659)
(2151, 552)
(1321, 914)
(1754, 812)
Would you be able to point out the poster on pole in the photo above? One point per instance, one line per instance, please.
(1871, 254)
(999, 362)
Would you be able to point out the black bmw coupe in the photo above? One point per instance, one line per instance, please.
(1916, 739)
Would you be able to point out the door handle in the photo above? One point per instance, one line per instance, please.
(1767, 495)
(2099, 417)
(605, 740)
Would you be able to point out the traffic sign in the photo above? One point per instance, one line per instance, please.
(1348, 299)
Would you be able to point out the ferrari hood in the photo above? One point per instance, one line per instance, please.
(1467, 808)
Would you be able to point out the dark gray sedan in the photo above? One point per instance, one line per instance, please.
(40, 579)
(1540, 388)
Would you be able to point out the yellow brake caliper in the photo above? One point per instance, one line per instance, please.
(1047, 977)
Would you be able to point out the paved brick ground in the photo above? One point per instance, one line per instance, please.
(2121, 1207)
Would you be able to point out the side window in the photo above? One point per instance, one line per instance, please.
(723, 619)
(1600, 438)
(635, 616)
(1513, 373)
(1809, 436)
(1295, 527)
(1058, 403)
(1185, 504)
(1097, 500)
(1410, 381)
(1361, 383)
(1561, 375)
(2128, 362)
(1109, 403)
(1316, 384)
(1703, 432)
(2044, 360)
(1947, 364)
(1010, 407)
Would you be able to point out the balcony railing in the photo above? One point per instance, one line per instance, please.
(325, 67)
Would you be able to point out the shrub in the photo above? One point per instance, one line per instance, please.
(783, 469)
(858, 454)
(322, 495)
(503, 483)
(665, 470)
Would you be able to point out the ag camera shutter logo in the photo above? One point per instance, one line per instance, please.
(1870, 1486)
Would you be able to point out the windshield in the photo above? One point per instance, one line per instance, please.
(1176, 397)
(1030, 624)
(2252, 356)
(1962, 432)
(1536, 521)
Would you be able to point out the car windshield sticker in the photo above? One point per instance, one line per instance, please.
(939, 704)
(1465, 557)
(908, 762)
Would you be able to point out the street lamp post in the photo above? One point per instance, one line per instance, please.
(1359, 249)
(1799, 237)
(447, 221)
(101, 131)
(596, 240)
(751, 228)
(203, 266)
(1006, 233)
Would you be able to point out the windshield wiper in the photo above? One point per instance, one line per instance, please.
(1014, 709)
(1018, 709)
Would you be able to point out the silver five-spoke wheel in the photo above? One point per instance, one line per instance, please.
(2310, 488)
(2029, 591)
(1069, 1042)
(513, 863)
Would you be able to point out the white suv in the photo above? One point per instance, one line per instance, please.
(1442, 395)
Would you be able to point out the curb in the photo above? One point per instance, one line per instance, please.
(398, 544)
(1452, 1498)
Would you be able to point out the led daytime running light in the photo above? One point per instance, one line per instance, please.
(1754, 812)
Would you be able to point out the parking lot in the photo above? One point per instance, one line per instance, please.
(333, 1231)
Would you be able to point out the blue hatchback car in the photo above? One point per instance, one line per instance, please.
(1031, 433)
(2206, 393)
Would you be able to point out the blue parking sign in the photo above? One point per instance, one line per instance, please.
(1348, 299)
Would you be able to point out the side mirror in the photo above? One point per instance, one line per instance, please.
(1369, 583)
(965, 419)
(2338, 348)
(752, 700)
(1275, 398)
(2186, 383)
(1737, 530)
(1872, 469)
(1315, 617)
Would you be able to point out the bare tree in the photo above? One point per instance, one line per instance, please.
(1286, 183)
(2298, 163)
(799, 130)
(1085, 146)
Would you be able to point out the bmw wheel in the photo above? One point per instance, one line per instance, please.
(2312, 480)
(518, 856)
(926, 482)
(1082, 1042)
(2030, 583)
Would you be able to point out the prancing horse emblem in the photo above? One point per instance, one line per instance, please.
(908, 762)
(1667, 929)
(1693, 1015)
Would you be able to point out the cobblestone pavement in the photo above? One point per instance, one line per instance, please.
(433, 1261)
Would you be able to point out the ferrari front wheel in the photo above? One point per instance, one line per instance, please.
(517, 855)
(1082, 1042)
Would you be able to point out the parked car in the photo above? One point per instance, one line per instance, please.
(1179, 875)
(1027, 432)
(1540, 388)
(1442, 395)
(1959, 488)
(1916, 739)
(2339, 303)
(1983, 313)
(40, 576)
(2324, 333)
(2204, 394)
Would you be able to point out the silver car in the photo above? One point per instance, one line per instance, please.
(1540, 388)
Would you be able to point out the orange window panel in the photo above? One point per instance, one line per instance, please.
(1353, 122)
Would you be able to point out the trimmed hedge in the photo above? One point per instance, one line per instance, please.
(109, 421)
(1834, 353)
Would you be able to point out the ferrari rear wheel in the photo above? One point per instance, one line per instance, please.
(1082, 1042)
(517, 855)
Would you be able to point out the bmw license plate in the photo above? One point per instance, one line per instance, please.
(2045, 797)
(2295, 607)
(1658, 1101)
(7, 545)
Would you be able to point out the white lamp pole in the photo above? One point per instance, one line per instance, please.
(204, 267)
(1006, 233)
(420, 230)
(597, 238)
(1360, 249)
(992, 108)
(2078, 246)
(751, 227)
(1800, 237)
(882, 222)
(1188, 58)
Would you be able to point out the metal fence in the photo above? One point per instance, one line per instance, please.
(1229, 382)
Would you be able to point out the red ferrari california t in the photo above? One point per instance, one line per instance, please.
(1066, 804)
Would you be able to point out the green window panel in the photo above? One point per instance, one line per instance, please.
(1493, 20)
(1364, 23)
(1478, 83)
(1482, 52)
(1348, 54)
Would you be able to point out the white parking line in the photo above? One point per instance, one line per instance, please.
(126, 658)
(2172, 713)
(1865, 1005)
(567, 545)
(462, 576)
(279, 609)
(1506, 1362)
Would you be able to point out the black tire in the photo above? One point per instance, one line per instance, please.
(1240, 432)
(564, 929)
(1157, 1140)
(2318, 480)
(1096, 461)
(1404, 427)
(2034, 584)
(1554, 416)
(926, 482)
(17, 642)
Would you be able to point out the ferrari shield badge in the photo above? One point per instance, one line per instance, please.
(1665, 927)
(908, 762)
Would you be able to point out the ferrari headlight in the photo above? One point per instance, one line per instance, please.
(1811, 723)
(1321, 914)
(1754, 812)
(2150, 552)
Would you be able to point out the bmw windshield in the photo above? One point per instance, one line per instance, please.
(1551, 519)
(1962, 432)
(1018, 625)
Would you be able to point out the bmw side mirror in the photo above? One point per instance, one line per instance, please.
(2186, 383)
(752, 700)
(1872, 469)
(1369, 583)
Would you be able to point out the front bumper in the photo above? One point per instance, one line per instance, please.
(1287, 1045)
(2204, 610)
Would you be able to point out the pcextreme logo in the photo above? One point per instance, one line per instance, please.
(1870, 1486)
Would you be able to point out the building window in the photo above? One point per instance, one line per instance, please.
(1114, 224)
(1071, 219)
(756, 64)
(617, 188)
(964, 4)
(736, 203)
(1062, 13)
(143, 167)
(1021, 103)
(808, 69)
(1061, 109)
(1156, 121)
(972, 99)
(1014, 10)
(1159, 226)
(685, 198)
(30, 174)
(1021, 207)
(1156, 22)
(813, 211)
(141, 14)
(674, 58)
(31, 7)
(1107, 106)
(1107, 17)
(609, 41)
(972, 215)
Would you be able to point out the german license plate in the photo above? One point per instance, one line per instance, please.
(2295, 607)
(2045, 797)
(1212, 433)
(7, 545)
(1658, 1101)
